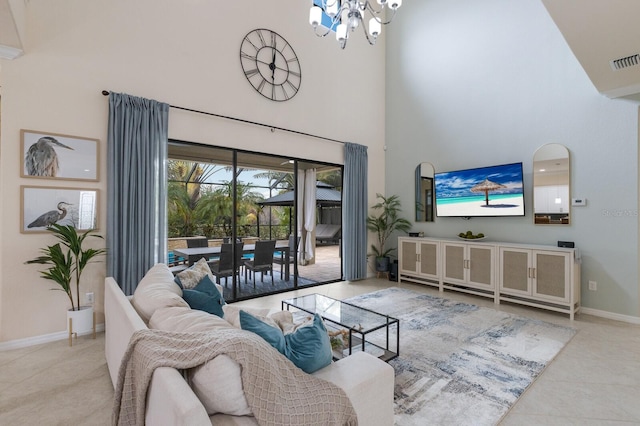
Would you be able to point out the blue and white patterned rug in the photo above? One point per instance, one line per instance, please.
(461, 364)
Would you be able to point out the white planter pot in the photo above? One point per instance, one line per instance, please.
(81, 321)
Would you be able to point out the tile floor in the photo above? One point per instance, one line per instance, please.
(595, 380)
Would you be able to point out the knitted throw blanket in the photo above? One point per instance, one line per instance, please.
(277, 392)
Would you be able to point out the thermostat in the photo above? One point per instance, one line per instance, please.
(578, 202)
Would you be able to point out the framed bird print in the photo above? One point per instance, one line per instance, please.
(56, 156)
(43, 206)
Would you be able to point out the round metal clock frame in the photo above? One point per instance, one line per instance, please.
(270, 65)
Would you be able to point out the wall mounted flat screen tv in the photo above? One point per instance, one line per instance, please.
(485, 191)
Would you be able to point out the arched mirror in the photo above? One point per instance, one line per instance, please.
(425, 192)
(551, 185)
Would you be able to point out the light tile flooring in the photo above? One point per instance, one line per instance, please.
(595, 380)
(326, 266)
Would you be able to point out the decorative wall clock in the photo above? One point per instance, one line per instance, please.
(270, 64)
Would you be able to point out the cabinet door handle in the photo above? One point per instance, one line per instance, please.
(417, 257)
(533, 273)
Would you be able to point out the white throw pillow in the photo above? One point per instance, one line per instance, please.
(218, 385)
(190, 277)
(156, 290)
(284, 321)
(232, 313)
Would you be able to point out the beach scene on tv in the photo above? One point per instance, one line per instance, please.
(486, 191)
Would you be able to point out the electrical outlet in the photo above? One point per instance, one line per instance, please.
(88, 297)
(593, 286)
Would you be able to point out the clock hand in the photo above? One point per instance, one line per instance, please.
(275, 66)
(272, 65)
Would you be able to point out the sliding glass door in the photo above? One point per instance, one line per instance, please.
(225, 196)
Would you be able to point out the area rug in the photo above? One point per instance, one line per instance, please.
(461, 364)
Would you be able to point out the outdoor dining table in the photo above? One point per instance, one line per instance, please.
(196, 253)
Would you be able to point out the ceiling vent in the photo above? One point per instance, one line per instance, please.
(621, 63)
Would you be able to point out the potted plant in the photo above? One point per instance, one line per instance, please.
(66, 260)
(383, 224)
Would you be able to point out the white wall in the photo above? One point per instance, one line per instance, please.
(185, 53)
(474, 83)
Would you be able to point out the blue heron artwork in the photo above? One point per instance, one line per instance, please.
(43, 207)
(42, 158)
(58, 156)
(49, 218)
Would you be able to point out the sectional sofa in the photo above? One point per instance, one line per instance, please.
(367, 381)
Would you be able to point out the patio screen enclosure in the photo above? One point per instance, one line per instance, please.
(231, 195)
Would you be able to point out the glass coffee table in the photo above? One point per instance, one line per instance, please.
(355, 328)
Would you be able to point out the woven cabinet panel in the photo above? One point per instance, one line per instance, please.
(454, 262)
(550, 275)
(428, 259)
(515, 266)
(481, 265)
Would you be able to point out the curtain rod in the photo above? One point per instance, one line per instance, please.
(273, 128)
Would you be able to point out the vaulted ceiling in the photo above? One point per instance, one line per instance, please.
(11, 16)
(599, 32)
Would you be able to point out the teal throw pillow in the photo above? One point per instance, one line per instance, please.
(205, 297)
(272, 335)
(308, 347)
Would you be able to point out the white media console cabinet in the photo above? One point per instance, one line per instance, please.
(545, 277)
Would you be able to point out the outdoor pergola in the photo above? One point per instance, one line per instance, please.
(326, 197)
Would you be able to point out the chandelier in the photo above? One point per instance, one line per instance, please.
(347, 15)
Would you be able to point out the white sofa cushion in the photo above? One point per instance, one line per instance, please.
(217, 383)
(185, 319)
(156, 290)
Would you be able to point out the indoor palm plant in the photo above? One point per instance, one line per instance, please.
(66, 260)
(383, 224)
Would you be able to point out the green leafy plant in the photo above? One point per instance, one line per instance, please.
(385, 222)
(67, 259)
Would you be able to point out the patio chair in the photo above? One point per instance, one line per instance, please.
(326, 233)
(228, 239)
(262, 260)
(224, 267)
(197, 243)
(280, 259)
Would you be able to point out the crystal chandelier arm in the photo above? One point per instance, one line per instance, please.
(326, 33)
(367, 5)
(335, 20)
(370, 39)
(347, 15)
(376, 13)
(315, 18)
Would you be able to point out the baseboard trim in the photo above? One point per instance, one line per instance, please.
(45, 338)
(610, 315)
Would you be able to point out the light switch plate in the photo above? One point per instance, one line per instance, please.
(578, 202)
